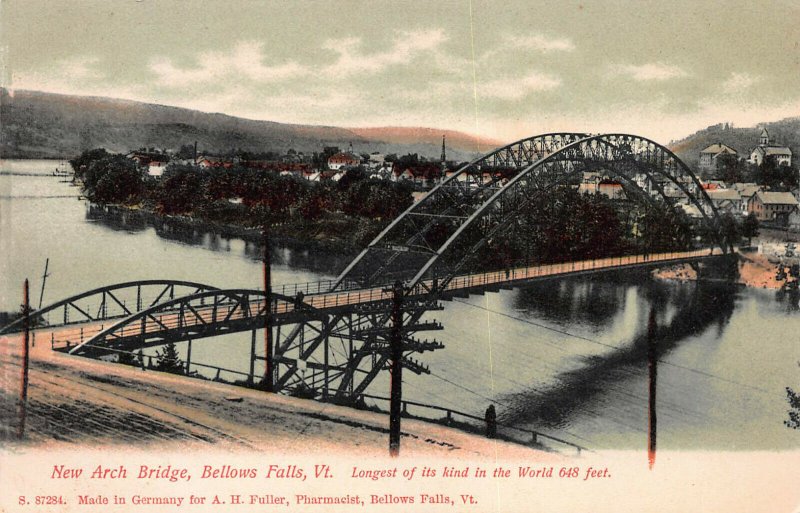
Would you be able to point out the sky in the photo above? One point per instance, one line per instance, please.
(499, 69)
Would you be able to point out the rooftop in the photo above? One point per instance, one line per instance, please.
(777, 198)
(719, 148)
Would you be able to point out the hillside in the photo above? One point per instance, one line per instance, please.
(46, 125)
(785, 132)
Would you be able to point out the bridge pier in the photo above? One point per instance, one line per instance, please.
(722, 268)
(189, 357)
(251, 374)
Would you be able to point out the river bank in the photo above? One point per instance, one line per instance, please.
(80, 401)
(324, 235)
(755, 271)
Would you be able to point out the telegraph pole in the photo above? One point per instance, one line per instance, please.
(397, 369)
(44, 280)
(268, 362)
(23, 394)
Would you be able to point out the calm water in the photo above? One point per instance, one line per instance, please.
(565, 357)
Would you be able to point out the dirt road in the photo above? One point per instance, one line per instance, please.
(79, 401)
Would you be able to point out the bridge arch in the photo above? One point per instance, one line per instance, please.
(112, 301)
(404, 251)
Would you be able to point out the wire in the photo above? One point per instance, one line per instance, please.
(612, 346)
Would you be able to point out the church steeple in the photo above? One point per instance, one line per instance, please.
(764, 138)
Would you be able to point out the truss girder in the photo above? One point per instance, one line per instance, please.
(111, 301)
(529, 166)
(454, 199)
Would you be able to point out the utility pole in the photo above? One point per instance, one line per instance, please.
(397, 369)
(444, 162)
(44, 279)
(268, 362)
(23, 395)
(652, 359)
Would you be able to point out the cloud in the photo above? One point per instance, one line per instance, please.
(739, 82)
(539, 42)
(246, 59)
(407, 45)
(80, 74)
(655, 71)
(78, 69)
(516, 89)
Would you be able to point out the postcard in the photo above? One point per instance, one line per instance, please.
(399, 256)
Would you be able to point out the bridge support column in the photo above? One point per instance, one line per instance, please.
(269, 365)
(326, 349)
(723, 268)
(251, 375)
(189, 356)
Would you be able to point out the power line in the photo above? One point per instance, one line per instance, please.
(612, 346)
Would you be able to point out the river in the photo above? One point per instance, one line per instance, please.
(566, 357)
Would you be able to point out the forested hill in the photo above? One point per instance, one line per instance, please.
(46, 125)
(785, 132)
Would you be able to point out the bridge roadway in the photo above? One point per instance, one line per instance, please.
(69, 336)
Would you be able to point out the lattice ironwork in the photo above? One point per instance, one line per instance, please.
(110, 302)
(435, 237)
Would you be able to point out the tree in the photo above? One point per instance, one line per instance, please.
(168, 360)
(186, 152)
(179, 191)
(794, 408)
(113, 179)
(350, 177)
(126, 358)
(731, 169)
(777, 177)
(81, 163)
(729, 229)
(750, 227)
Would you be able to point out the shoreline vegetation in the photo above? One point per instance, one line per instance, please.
(347, 214)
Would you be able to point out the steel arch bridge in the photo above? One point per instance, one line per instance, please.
(483, 197)
(335, 342)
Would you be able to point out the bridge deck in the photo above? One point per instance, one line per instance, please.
(207, 315)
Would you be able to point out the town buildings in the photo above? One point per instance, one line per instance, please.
(709, 156)
(343, 159)
(775, 207)
(781, 154)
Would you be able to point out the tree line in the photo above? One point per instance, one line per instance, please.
(242, 196)
(560, 221)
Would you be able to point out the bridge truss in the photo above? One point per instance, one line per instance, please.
(436, 237)
(328, 344)
(335, 350)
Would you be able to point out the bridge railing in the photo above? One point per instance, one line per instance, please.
(525, 273)
(204, 313)
(313, 287)
(149, 362)
(475, 424)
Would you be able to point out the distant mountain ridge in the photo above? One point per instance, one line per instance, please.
(48, 125)
(785, 132)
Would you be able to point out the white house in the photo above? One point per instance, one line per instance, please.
(781, 154)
